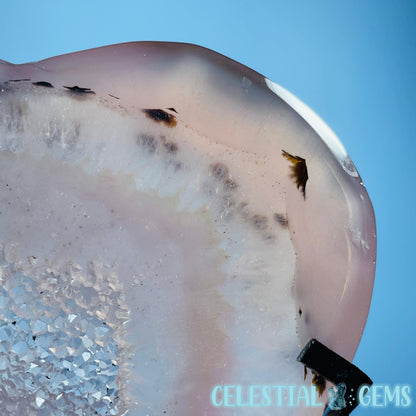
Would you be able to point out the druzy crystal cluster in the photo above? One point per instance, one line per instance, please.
(58, 332)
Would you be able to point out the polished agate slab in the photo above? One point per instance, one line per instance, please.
(170, 221)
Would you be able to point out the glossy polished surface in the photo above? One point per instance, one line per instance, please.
(228, 219)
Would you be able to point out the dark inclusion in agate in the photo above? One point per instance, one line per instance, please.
(154, 241)
(43, 84)
(299, 171)
(79, 90)
(161, 116)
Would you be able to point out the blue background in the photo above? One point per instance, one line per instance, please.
(352, 61)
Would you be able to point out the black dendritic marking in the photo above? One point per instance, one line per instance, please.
(161, 116)
(79, 90)
(229, 184)
(259, 221)
(43, 84)
(170, 147)
(19, 80)
(281, 219)
(299, 171)
(148, 143)
(220, 172)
